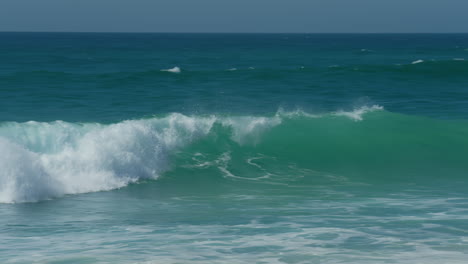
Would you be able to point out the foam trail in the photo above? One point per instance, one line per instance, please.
(417, 61)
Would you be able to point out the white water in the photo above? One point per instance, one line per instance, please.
(45, 160)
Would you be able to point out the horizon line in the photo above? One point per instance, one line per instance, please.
(201, 32)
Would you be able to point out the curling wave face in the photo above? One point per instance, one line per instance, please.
(45, 160)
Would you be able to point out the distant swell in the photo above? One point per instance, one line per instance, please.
(45, 160)
(441, 68)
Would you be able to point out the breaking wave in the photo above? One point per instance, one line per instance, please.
(44, 160)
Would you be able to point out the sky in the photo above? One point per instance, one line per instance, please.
(250, 16)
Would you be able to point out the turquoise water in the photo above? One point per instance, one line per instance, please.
(242, 148)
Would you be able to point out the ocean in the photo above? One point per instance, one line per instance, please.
(233, 148)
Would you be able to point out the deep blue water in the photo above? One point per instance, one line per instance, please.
(112, 77)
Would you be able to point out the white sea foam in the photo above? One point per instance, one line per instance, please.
(174, 70)
(22, 176)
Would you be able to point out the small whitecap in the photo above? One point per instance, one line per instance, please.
(174, 70)
(458, 59)
(417, 61)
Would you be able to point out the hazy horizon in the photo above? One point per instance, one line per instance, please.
(211, 16)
